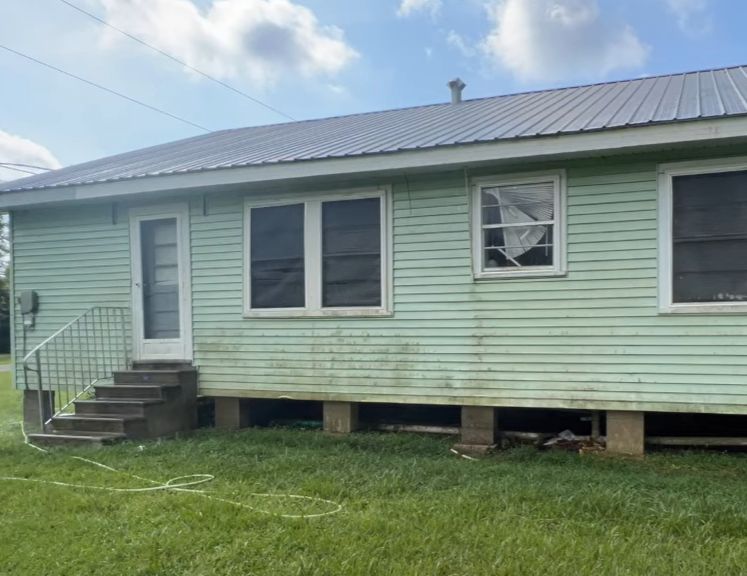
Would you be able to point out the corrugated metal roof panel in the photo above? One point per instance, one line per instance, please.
(660, 99)
(689, 104)
(730, 97)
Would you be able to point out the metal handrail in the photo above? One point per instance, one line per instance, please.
(74, 358)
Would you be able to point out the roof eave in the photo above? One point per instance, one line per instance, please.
(625, 139)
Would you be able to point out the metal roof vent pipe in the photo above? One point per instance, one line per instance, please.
(456, 86)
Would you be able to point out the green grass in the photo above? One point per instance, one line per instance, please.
(410, 507)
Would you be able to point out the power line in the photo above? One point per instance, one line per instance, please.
(179, 61)
(105, 89)
(7, 166)
(25, 165)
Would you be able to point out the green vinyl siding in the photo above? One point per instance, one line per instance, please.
(591, 339)
(75, 257)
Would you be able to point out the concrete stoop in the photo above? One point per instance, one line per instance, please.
(151, 400)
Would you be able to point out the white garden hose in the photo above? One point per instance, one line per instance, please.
(181, 484)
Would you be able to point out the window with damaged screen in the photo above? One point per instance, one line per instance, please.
(319, 257)
(707, 253)
(518, 226)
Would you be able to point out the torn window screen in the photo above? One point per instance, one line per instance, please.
(517, 225)
(277, 257)
(709, 238)
(351, 253)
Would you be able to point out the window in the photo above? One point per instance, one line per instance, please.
(517, 226)
(704, 238)
(322, 257)
(277, 257)
(351, 253)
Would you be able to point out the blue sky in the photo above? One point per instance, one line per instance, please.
(315, 58)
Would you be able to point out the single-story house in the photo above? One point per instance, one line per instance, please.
(575, 248)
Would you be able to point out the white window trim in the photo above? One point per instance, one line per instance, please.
(313, 254)
(558, 268)
(666, 173)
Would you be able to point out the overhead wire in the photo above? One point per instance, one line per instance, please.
(105, 89)
(9, 167)
(26, 165)
(179, 61)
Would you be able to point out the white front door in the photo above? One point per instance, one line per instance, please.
(161, 287)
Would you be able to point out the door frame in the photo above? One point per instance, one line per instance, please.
(180, 211)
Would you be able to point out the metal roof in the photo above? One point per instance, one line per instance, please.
(644, 101)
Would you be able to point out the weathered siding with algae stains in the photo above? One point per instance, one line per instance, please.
(591, 339)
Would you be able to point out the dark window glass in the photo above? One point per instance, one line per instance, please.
(351, 253)
(518, 247)
(709, 238)
(277, 257)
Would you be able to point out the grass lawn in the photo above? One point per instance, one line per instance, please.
(409, 507)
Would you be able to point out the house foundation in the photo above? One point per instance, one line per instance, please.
(479, 426)
(340, 417)
(37, 410)
(233, 413)
(625, 433)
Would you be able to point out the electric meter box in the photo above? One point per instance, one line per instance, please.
(29, 301)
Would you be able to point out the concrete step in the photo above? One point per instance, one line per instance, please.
(74, 438)
(131, 426)
(116, 407)
(134, 377)
(162, 365)
(152, 401)
(137, 391)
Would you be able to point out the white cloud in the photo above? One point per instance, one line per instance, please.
(337, 89)
(692, 16)
(455, 40)
(260, 40)
(19, 150)
(409, 7)
(554, 40)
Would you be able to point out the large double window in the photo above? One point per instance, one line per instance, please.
(704, 238)
(318, 257)
(518, 225)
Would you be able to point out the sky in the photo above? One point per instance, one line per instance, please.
(317, 58)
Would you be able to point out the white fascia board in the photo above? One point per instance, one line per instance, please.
(626, 139)
(20, 198)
